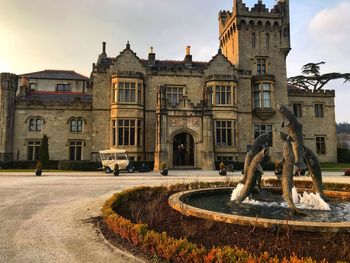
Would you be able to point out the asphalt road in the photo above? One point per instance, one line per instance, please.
(49, 218)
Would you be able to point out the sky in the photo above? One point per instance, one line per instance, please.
(67, 34)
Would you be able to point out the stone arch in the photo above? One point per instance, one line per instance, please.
(259, 23)
(251, 23)
(183, 147)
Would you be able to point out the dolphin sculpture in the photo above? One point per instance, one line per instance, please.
(258, 144)
(314, 168)
(295, 132)
(287, 172)
(252, 175)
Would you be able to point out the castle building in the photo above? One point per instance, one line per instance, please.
(184, 113)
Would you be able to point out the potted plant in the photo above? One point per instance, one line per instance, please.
(116, 169)
(222, 169)
(38, 168)
(164, 169)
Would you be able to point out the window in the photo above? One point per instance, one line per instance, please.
(129, 132)
(321, 145)
(33, 150)
(75, 150)
(174, 94)
(32, 86)
(262, 95)
(223, 95)
(76, 125)
(262, 129)
(223, 158)
(253, 40)
(63, 88)
(114, 129)
(267, 40)
(139, 93)
(225, 133)
(319, 110)
(35, 124)
(297, 110)
(261, 66)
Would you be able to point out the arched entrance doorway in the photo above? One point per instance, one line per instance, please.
(183, 150)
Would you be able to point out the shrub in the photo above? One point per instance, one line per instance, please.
(39, 165)
(44, 152)
(222, 166)
(172, 249)
(163, 166)
(343, 155)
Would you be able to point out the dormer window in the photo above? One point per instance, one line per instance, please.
(63, 88)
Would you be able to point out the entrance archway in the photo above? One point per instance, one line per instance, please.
(183, 150)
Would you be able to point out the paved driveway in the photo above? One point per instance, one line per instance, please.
(48, 218)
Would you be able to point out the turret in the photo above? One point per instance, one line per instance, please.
(8, 89)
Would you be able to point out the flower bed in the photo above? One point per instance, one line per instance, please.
(164, 246)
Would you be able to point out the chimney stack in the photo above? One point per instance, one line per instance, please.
(103, 47)
(188, 57)
(151, 58)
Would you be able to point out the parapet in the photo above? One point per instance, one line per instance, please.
(310, 93)
(260, 9)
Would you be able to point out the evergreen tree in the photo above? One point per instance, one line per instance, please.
(44, 157)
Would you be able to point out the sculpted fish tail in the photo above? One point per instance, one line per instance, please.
(252, 175)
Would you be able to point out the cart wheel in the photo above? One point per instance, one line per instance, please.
(107, 170)
(131, 169)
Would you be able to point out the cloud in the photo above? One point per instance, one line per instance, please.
(329, 30)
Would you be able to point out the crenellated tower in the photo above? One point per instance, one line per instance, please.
(256, 31)
(8, 89)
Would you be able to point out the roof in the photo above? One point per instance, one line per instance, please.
(62, 97)
(169, 65)
(55, 74)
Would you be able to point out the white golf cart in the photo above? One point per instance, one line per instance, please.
(110, 157)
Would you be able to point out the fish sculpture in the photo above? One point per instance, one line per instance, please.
(258, 144)
(295, 132)
(287, 172)
(252, 175)
(314, 168)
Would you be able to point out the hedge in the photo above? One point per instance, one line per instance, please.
(170, 249)
(343, 155)
(238, 166)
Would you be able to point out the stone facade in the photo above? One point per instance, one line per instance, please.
(184, 113)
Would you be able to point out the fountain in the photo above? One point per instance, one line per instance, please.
(323, 211)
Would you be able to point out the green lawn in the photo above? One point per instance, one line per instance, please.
(334, 167)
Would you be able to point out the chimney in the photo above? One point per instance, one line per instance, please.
(103, 47)
(188, 57)
(151, 58)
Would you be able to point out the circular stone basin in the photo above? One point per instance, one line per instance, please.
(215, 204)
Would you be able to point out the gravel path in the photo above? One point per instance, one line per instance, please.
(50, 218)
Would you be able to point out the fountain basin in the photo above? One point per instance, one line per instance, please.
(180, 202)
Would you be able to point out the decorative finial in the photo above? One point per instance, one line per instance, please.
(128, 45)
(151, 50)
(219, 50)
(188, 50)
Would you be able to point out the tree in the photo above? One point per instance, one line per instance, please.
(312, 79)
(44, 157)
